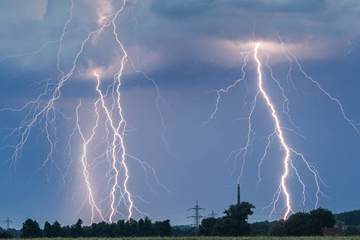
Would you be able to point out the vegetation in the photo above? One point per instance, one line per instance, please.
(304, 224)
(131, 228)
(349, 218)
(11, 231)
(217, 238)
(6, 235)
(234, 223)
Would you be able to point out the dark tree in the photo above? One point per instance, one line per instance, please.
(56, 229)
(119, 229)
(145, 227)
(5, 234)
(47, 230)
(31, 229)
(296, 225)
(162, 229)
(101, 229)
(207, 226)
(184, 231)
(51, 231)
(76, 229)
(16, 233)
(260, 228)
(304, 224)
(351, 218)
(351, 231)
(131, 228)
(325, 216)
(234, 223)
(278, 229)
(65, 231)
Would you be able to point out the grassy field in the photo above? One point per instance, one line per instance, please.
(210, 238)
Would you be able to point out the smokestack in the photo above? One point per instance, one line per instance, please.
(238, 194)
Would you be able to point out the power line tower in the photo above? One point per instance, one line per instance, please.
(197, 216)
(212, 215)
(7, 223)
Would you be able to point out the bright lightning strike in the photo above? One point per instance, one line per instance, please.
(289, 153)
(103, 148)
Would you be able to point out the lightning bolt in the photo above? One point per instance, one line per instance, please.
(104, 145)
(279, 133)
(289, 152)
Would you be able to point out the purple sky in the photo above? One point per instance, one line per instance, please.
(185, 50)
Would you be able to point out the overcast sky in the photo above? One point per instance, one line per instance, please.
(178, 55)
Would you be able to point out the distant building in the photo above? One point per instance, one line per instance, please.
(333, 232)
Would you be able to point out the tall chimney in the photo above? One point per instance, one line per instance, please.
(238, 194)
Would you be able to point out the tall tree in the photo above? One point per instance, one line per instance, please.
(119, 229)
(131, 228)
(47, 230)
(234, 223)
(325, 216)
(145, 227)
(76, 229)
(207, 226)
(304, 224)
(31, 229)
(56, 229)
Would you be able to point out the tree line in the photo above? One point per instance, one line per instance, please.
(304, 224)
(234, 222)
(130, 228)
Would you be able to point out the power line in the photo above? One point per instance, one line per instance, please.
(7, 223)
(196, 216)
(212, 214)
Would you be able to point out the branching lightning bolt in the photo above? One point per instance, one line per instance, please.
(289, 152)
(109, 124)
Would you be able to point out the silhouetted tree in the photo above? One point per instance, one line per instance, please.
(234, 223)
(351, 218)
(297, 225)
(131, 228)
(162, 229)
(16, 233)
(184, 231)
(351, 231)
(304, 224)
(5, 234)
(260, 228)
(119, 229)
(325, 216)
(101, 229)
(207, 226)
(56, 229)
(76, 229)
(145, 227)
(47, 230)
(65, 231)
(31, 229)
(278, 229)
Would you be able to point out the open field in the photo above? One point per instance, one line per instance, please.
(210, 238)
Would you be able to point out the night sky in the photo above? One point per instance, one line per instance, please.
(179, 54)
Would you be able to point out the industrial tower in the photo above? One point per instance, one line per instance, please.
(196, 216)
(238, 194)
